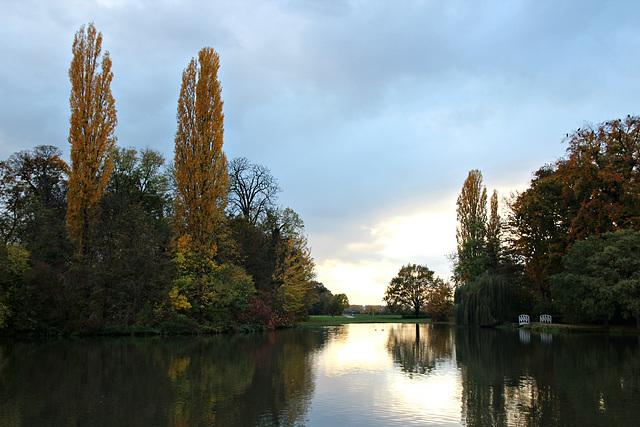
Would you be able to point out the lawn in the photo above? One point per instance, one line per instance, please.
(359, 318)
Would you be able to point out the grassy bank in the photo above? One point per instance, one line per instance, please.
(359, 318)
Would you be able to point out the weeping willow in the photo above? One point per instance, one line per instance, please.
(487, 301)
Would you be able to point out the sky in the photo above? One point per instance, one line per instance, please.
(370, 114)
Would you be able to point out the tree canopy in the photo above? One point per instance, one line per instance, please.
(601, 278)
(155, 248)
(412, 288)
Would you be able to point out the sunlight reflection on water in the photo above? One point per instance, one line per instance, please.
(352, 375)
(386, 375)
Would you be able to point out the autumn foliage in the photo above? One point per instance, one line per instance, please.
(202, 182)
(120, 242)
(91, 132)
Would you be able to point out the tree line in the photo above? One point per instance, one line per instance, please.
(121, 240)
(568, 245)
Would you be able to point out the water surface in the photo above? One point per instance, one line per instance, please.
(357, 375)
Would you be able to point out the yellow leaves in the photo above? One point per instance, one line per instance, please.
(294, 272)
(91, 132)
(18, 258)
(178, 301)
(202, 183)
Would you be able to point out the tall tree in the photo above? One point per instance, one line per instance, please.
(202, 181)
(91, 133)
(538, 227)
(472, 229)
(253, 189)
(494, 226)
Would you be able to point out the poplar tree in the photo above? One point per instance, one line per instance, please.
(202, 182)
(91, 133)
(472, 230)
(494, 226)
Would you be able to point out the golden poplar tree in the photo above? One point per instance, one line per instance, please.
(202, 182)
(91, 132)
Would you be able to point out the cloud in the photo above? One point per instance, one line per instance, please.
(369, 113)
(369, 258)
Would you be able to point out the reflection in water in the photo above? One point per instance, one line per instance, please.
(387, 375)
(243, 380)
(353, 375)
(418, 348)
(574, 379)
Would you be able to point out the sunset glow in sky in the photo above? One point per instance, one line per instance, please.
(369, 113)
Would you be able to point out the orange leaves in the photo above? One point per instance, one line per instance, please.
(202, 183)
(91, 132)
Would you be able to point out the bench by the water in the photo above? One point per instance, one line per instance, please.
(545, 318)
(523, 319)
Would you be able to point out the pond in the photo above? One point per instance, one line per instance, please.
(355, 375)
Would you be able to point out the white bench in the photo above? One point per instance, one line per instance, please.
(545, 318)
(523, 319)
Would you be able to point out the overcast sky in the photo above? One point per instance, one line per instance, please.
(369, 113)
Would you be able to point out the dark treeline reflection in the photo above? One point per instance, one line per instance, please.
(265, 379)
(417, 349)
(531, 379)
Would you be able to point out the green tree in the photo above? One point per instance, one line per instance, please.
(132, 237)
(487, 301)
(32, 215)
(207, 292)
(601, 278)
(472, 229)
(16, 314)
(293, 277)
(91, 133)
(254, 249)
(321, 299)
(338, 304)
(411, 289)
(33, 203)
